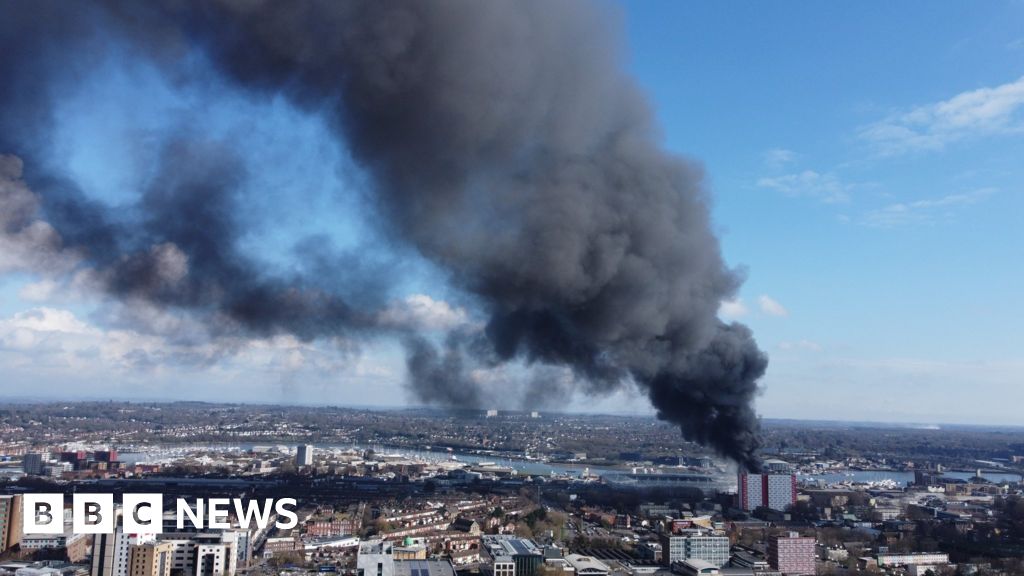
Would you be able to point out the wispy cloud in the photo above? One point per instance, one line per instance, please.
(926, 211)
(423, 312)
(777, 158)
(827, 187)
(732, 308)
(771, 306)
(59, 342)
(972, 114)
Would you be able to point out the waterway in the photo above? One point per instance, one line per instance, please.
(902, 478)
(532, 467)
(168, 452)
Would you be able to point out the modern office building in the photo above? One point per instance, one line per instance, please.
(304, 455)
(504, 566)
(525, 554)
(791, 553)
(697, 545)
(775, 491)
(110, 552)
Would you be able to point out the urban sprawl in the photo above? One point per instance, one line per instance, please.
(494, 493)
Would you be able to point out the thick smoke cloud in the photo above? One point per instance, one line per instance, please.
(502, 140)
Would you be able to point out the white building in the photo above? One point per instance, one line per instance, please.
(916, 558)
(504, 566)
(775, 491)
(695, 545)
(375, 559)
(111, 552)
(203, 553)
(41, 541)
(587, 565)
(304, 455)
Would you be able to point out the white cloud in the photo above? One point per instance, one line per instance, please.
(827, 188)
(58, 342)
(39, 291)
(771, 306)
(732, 308)
(925, 211)
(422, 311)
(46, 320)
(777, 158)
(972, 114)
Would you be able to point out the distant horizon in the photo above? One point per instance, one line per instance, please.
(897, 424)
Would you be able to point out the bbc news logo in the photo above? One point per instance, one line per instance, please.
(144, 513)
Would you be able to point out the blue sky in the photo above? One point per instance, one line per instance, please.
(864, 159)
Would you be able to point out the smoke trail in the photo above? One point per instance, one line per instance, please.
(503, 141)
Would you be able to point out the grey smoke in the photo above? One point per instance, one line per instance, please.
(503, 141)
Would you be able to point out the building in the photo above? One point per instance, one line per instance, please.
(775, 491)
(32, 463)
(213, 559)
(375, 559)
(525, 554)
(916, 558)
(791, 553)
(304, 455)
(150, 559)
(409, 551)
(75, 546)
(745, 558)
(10, 521)
(202, 553)
(424, 568)
(467, 525)
(110, 553)
(773, 466)
(587, 565)
(504, 566)
(709, 484)
(694, 545)
(695, 567)
(331, 527)
(378, 558)
(279, 545)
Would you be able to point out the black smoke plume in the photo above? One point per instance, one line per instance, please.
(503, 141)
